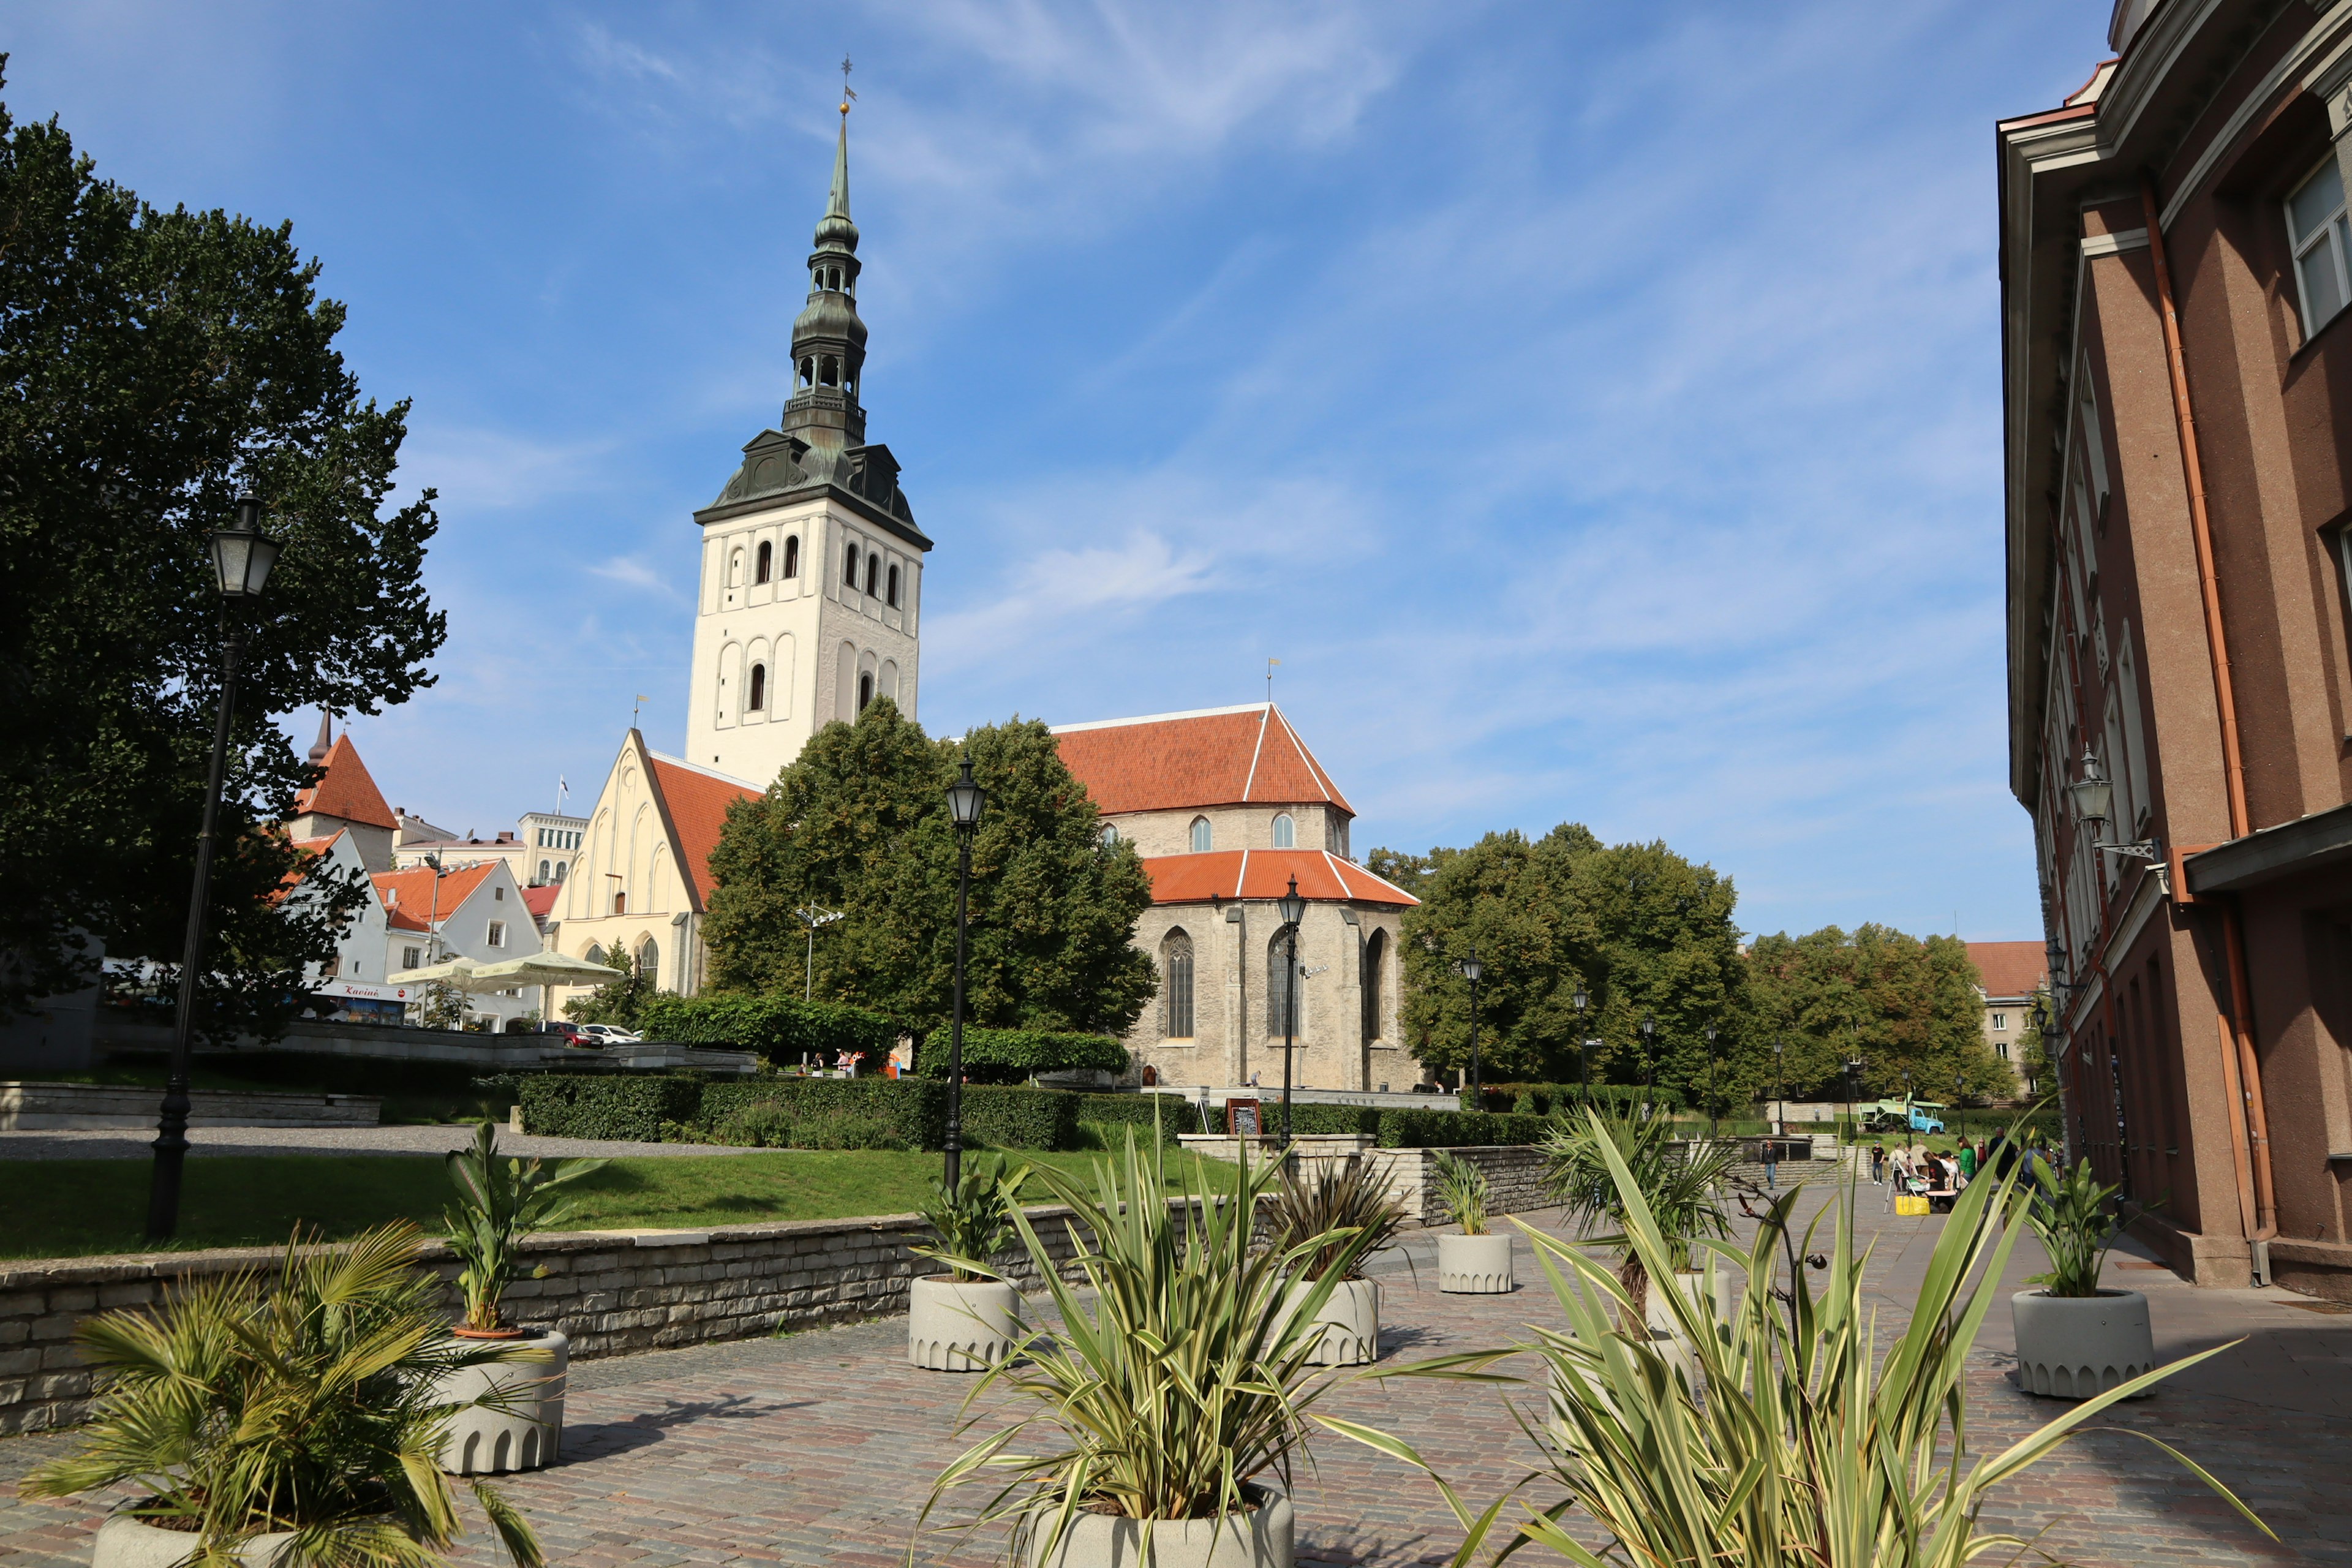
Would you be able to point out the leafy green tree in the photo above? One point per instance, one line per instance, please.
(859, 824)
(153, 364)
(1896, 1004)
(620, 1000)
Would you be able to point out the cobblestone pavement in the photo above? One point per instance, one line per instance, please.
(820, 1447)
(111, 1144)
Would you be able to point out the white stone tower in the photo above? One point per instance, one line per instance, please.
(812, 564)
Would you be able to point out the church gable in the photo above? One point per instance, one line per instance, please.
(1180, 761)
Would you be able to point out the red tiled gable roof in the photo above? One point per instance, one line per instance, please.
(410, 903)
(345, 791)
(1266, 874)
(2009, 968)
(1174, 762)
(540, 900)
(696, 803)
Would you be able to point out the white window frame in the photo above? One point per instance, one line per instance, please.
(1285, 827)
(497, 934)
(2299, 245)
(2000, 1020)
(1202, 837)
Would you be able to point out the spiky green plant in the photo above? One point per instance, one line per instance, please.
(975, 1219)
(1461, 1188)
(1176, 1378)
(496, 1207)
(1344, 1203)
(1676, 1185)
(1791, 1441)
(306, 1403)
(2069, 1213)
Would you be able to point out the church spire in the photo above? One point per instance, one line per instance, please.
(326, 741)
(828, 339)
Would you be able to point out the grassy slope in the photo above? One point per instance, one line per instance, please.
(65, 1208)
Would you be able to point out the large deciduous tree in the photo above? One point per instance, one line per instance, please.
(153, 364)
(859, 825)
(1896, 1003)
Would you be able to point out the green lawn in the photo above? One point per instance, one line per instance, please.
(70, 1208)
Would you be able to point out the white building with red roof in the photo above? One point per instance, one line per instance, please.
(1228, 808)
(344, 799)
(2013, 974)
(471, 911)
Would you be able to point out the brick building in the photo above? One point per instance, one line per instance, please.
(2174, 264)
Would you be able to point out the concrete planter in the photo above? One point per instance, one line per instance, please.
(1474, 1265)
(955, 1326)
(1712, 1293)
(525, 1430)
(2073, 1347)
(1262, 1537)
(1350, 1319)
(127, 1542)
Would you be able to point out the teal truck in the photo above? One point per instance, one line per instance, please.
(1897, 1116)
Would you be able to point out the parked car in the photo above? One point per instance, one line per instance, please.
(569, 1032)
(606, 1035)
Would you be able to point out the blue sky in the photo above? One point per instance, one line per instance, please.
(1595, 408)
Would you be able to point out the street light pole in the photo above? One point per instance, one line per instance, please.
(1579, 1001)
(1649, 1066)
(1294, 910)
(242, 557)
(814, 920)
(966, 800)
(1470, 970)
(1711, 1089)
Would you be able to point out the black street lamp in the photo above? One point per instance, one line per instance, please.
(1579, 1001)
(1780, 1092)
(1649, 1063)
(1470, 970)
(1712, 1096)
(1852, 1067)
(966, 800)
(1294, 910)
(242, 556)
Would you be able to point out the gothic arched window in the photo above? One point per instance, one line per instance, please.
(758, 699)
(849, 567)
(828, 370)
(1281, 989)
(1285, 832)
(1376, 955)
(595, 953)
(873, 570)
(864, 691)
(765, 559)
(1201, 838)
(892, 596)
(1109, 836)
(648, 959)
(1176, 986)
(793, 556)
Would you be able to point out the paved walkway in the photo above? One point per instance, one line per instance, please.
(819, 1447)
(112, 1144)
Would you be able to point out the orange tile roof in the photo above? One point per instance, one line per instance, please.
(410, 901)
(345, 790)
(540, 900)
(1266, 874)
(696, 803)
(2010, 968)
(1170, 762)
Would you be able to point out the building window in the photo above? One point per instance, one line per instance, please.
(595, 953)
(2000, 1020)
(793, 556)
(865, 691)
(620, 903)
(2001, 1047)
(1285, 832)
(1201, 838)
(1281, 986)
(1376, 954)
(2316, 224)
(1176, 986)
(808, 373)
(334, 966)
(849, 567)
(648, 959)
(498, 933)
(560, 869)
(499, 895)
(411, 958)
(758, 699)
(1109, 836)
(891, 598)
(546, 869)
(765, 559)
(873, 569)
(735, 569)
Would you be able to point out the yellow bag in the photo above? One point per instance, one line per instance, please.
(1910, 1203)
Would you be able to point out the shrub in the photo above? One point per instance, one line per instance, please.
(1549, 1098)
(763, 1124)
(781, 1029)
(1013, 1056)
(615, 1105)
(1456, 1129)
(1322, 1119)
(973, 1219)
(1140, 1111)
(913, 1114)
(1004, 1116)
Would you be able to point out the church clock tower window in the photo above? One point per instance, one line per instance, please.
(849, 570)
(766, 558)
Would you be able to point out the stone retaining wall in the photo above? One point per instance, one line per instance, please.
(30, 1107)
(611, 1292)
(1514, 1170)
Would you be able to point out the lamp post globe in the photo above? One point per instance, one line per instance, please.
(1293, 910)
(966, 801)
(242, 557)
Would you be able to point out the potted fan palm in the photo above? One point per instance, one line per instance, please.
(510, 1413)
(1476, 1262)
(1348, 1204)
(2075, 1340)
(1677, 1184)
(291, 1419)
(969, 1320)
(1175, 1392)
(1802, 1439)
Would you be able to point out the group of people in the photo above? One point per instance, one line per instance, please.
(1933, 1173)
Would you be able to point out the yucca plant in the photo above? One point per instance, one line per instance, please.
(2069, 1214)
(1581, 1154)
(499, 1206)
(1176, 1379)
(973, 1220)
(306, 1404)
(1461, 1188)
(1334, 1218)
(1795, 1440)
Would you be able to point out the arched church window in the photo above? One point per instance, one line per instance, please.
(1376, 955)
(766, 559)
(864, 691)
(873, 570)
(1285, 832)
(828, 370)
(893, 595)
(1202, 839)
(1282, 1012)
(1109, 836)
(1176, 986)
(758, 701)
(648, 959)
(849, 567)
(793, 556)
(595, 953)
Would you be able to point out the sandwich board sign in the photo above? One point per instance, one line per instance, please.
(1240, 1117)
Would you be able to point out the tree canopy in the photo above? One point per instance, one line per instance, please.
(153, 364)
(858, 824)
(1895, 1002)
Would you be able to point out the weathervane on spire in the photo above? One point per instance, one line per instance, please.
(847, 97)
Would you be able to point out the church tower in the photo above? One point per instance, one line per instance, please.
(812, 565)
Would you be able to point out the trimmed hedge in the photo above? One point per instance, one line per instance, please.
(1115, 1113)
(1012, 1056)
(781, 1029)
(1548, 1097)
(1457, 1128)
(631, 1106)
(915, 1111)
(1007, 1116)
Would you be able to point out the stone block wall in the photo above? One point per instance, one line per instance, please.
(1514, 1178)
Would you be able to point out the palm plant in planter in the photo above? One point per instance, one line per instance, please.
(1173, 1396)
(969, 1320)
(2075, 1340)
(1346, 1204)
(1675, 1183)
(292, 1419)
(1475, 1262)
(512, 1415)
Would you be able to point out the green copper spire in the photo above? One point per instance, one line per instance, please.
(838, 205)
(828, 339)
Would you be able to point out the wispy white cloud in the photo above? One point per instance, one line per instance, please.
(635, 571)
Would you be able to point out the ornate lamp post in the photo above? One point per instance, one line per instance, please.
(1579, 1001)
(1470, 970)
(242, 557)
(1649, 1062)
(1779, 1093)
(1711, 1095)
(966, 801)
(1294, 909)
(1852, 1067)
